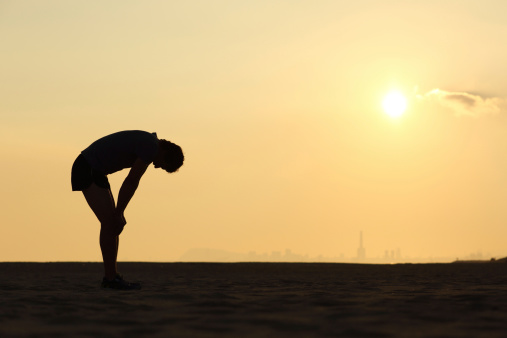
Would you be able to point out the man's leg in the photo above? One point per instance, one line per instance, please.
(101, 201)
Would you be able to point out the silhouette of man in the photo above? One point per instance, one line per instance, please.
(134, 149)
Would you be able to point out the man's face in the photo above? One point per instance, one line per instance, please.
(160, 163)
(157, 162)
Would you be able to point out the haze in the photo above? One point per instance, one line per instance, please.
(278, 108)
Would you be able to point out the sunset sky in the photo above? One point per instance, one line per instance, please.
(278, 106)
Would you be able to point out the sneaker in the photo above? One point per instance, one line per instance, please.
(119, 283)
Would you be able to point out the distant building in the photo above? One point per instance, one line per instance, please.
(361, 252)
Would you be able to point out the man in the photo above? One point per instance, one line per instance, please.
(134, 149)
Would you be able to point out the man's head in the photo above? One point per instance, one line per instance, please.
(170, 156)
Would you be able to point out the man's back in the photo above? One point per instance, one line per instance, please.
(118, 151)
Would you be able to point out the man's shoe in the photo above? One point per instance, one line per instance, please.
(119, 283)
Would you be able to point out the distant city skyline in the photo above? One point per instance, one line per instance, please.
(218, 255)
(389, 256)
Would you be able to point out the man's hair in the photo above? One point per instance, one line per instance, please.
(173, 155)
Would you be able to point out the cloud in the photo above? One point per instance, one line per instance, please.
(462, 103)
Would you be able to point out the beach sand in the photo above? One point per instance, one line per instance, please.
(255, 300)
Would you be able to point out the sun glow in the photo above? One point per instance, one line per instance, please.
(394, 104)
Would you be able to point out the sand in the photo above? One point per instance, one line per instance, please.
(255, 300)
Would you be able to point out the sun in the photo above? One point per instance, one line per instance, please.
(394, 104)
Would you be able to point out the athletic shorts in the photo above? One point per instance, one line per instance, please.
(83, 175)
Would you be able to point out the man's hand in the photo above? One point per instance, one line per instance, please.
(119, 222)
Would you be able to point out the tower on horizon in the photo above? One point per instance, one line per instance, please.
(361, 252)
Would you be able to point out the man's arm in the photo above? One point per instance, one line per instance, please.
(129, 186)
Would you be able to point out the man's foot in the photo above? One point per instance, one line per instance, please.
(119, 284)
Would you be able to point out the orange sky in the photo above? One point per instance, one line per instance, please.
(278, 108)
